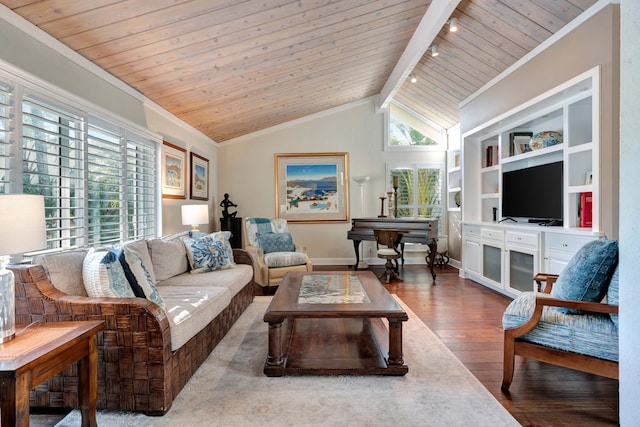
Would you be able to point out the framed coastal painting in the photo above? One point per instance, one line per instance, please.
(174, 171)
(199, 177)
(312, 187)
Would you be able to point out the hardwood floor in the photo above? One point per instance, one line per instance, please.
(468, 319)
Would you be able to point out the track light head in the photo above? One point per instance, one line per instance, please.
(412, 78)
(453, 24)
(434, 50)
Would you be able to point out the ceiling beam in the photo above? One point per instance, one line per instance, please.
(434, 19)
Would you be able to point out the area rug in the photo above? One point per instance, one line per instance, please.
(230, 389)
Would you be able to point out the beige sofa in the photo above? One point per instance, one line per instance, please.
(147, 353)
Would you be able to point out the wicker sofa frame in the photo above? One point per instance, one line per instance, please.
(137, 370)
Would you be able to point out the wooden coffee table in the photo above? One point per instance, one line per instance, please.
(331, 323)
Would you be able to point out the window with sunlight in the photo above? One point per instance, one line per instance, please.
(420, 190)
(409, 132)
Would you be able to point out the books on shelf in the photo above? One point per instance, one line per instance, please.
(585, 209)
(491, 156)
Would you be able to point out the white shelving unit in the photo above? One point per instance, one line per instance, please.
(502, 255)
(454, 180)
(571, 109)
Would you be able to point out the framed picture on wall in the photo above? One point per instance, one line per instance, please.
(174, 171)
(312, 187)
(199, 177)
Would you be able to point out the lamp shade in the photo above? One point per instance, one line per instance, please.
(22, 223)
(195, 214)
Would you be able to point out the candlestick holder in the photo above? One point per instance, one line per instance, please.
(382, 215)
(395, 201)
(389, 193)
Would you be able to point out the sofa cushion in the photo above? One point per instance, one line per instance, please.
(592, 334)
(138, 276)
(275, 242)
(233, 279)
(612, 294)
(208, 253)
(168, 256)
(189, 309)
(587, 275)
(284, 259)
(104, 276)
(64, 269)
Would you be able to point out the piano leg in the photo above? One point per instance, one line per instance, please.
(431, 258)
(356, 247)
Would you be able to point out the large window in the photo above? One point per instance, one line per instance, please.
(420, 190)
(98, 178)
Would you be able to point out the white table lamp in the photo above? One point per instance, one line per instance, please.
(194, 215)
(22, 229)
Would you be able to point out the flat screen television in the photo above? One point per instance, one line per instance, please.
(534, 192)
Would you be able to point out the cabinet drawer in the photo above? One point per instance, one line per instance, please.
(565, 242)
(526, 239)
(470, 231)
(493, 234)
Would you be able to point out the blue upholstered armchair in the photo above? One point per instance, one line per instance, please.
(568, 323)
(273, 251)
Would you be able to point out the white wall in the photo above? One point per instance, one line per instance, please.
(246, 171)
(629, 208)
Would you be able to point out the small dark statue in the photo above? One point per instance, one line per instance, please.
(225, 204)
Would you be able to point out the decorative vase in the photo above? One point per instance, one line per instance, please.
(545, 139)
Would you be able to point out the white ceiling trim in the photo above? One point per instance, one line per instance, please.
(436, 16)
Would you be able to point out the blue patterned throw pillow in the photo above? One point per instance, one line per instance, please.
(275, 242)
(138, 276)
(210, 252)
(587, 275)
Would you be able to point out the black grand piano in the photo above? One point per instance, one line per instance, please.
(413, 231)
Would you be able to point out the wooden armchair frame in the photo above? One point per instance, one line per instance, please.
(514, 345)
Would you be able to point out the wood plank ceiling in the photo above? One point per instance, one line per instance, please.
(230, 68)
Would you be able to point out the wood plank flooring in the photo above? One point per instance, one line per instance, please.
(468, 319)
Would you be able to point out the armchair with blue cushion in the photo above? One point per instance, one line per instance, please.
(573, 321)
(273, 250)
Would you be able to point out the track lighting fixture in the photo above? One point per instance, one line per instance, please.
(412, 78)
(434, 50)
(453, 24)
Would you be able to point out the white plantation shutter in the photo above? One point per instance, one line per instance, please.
(142, 178)
(6, 108)
(106, 192)
(53, 166)
(122, 193)
(420, 190)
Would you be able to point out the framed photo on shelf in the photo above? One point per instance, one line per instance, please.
(519, 142)
(312, 187)
(174, 171)
(199, 177)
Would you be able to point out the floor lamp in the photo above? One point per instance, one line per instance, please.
(361, 180)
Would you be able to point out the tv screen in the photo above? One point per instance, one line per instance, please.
(534, 192)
